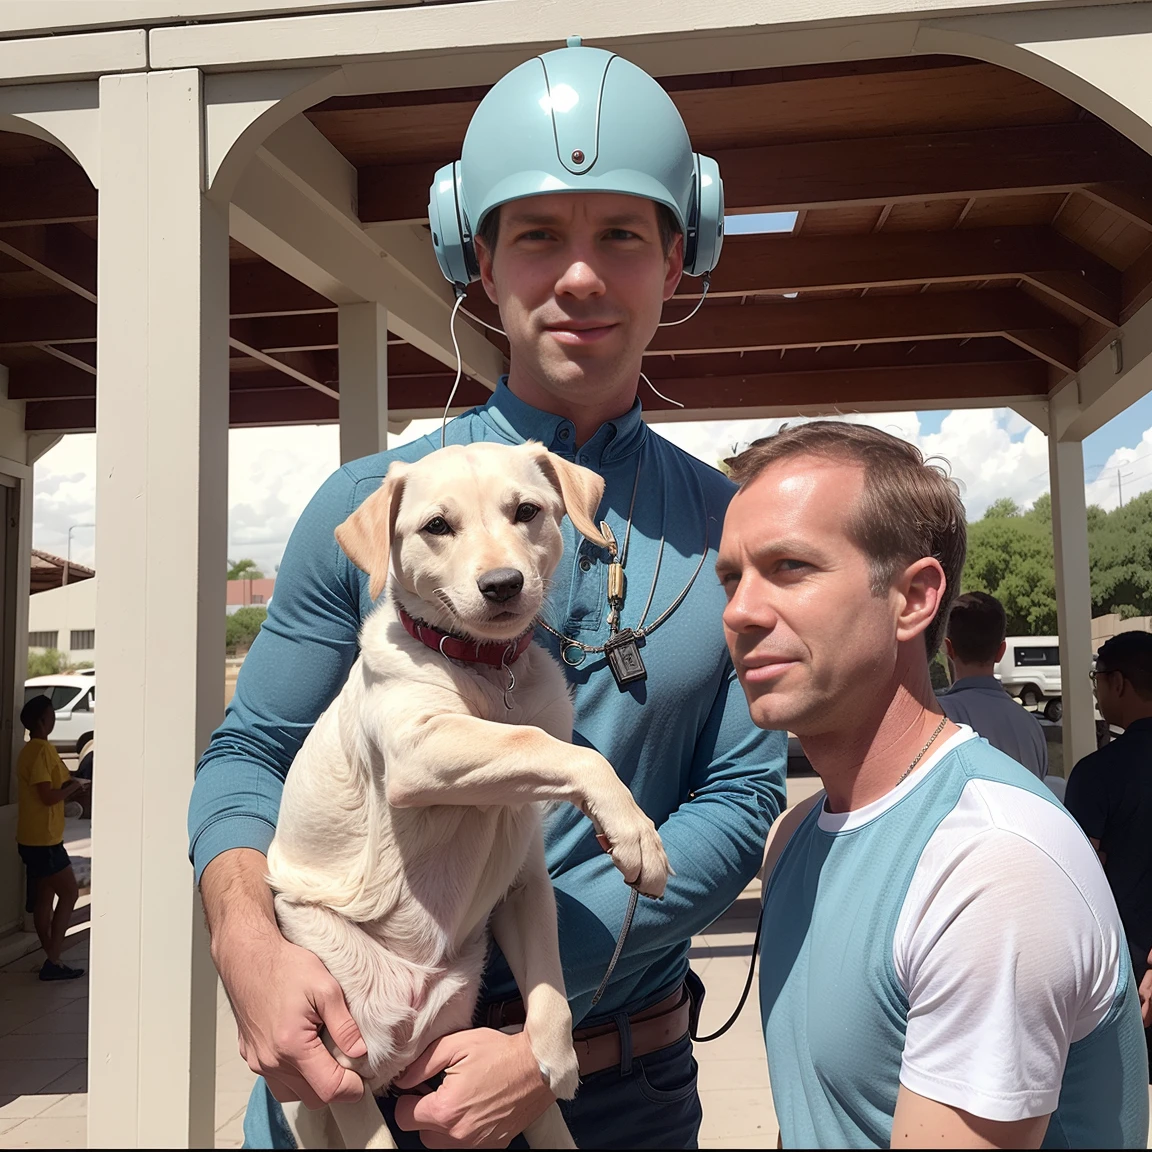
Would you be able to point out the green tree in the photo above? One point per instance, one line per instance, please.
(241, 626)
(49, 662)
(1010, 556)
(244, 570)
(998, 509)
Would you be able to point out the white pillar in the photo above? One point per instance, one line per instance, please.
(363, 336)
(162, 462)
(1073, 596)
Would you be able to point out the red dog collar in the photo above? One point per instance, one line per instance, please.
(494, 652)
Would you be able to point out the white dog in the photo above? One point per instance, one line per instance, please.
(409, 826)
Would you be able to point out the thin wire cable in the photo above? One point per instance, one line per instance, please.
(459, 364)
(658, 392)
(684, 319)
(490, 327)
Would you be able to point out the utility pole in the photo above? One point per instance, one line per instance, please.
(1120, 484)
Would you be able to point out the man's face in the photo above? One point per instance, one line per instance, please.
(580, 280)
(811, 644)
(1107, 696)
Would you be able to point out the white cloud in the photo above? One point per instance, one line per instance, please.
(273, 472)
(1134, 466)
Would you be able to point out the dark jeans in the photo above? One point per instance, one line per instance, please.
(647, 1102)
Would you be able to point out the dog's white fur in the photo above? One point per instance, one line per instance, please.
(409, 825)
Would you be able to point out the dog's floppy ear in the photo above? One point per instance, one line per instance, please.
(580, 488)
(366, 536)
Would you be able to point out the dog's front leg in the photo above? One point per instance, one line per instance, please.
(450, 758)
(524, 925)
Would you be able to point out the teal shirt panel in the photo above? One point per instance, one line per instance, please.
(682, 740)
(833, 1009)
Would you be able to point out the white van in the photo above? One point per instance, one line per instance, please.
(1031, 670)
(74, 698)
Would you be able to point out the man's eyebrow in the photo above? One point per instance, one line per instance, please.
(789, 546)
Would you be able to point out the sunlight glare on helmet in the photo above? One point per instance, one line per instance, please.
(561, 98)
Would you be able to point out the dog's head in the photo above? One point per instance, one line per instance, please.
(471, 534)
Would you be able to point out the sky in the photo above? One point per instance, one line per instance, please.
(273, 472)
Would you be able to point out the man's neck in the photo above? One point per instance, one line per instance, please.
(866, 759)
(587, 417)
(1142, 711)
(965, 671)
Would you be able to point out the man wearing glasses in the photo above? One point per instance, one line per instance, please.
(1110, 795)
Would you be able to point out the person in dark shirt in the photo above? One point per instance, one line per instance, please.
(1110, 795)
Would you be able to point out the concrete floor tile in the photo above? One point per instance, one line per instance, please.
(15, 1015)
(716, 1073)
(44, 1046)
(71, 1105)
(74, 1080)
(732, 1112)
(64, 1132)
(21, 1077)
(230, 1103)
(54, 1022)
(24, 1107)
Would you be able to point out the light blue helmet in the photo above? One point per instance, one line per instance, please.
(575, 120)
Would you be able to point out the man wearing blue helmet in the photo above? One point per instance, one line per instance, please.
(578, 203)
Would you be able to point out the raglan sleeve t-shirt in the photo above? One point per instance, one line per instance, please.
(995, 1000)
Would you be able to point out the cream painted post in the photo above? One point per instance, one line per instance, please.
(162, 463)
(1073, 596)
(363, 335)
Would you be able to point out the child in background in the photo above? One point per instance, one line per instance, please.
(44, 786)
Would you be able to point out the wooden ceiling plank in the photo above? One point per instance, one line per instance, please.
(1130, 202)
(31, 320)
(85, 361)
(59, 252)
(1060, 347)
(258, 288)
(51, 191)
(50, 381)
(779, 264)
(992, 381)
(298, 365)
(831, 173)
(873, 319)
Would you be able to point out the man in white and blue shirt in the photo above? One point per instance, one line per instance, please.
(944, 965)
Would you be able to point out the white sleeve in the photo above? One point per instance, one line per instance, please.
(1008, 950)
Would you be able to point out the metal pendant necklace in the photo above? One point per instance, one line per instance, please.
(920, 754)
(622, 648)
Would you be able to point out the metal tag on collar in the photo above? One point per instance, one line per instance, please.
(623, 653)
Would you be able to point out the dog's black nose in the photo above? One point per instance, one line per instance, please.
(500, 584)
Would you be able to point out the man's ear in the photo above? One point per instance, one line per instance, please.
(581, 490)
(366, 536)
(674, 264)
(1000, 651)
(949, 650)
(922, 587)
(484, 260)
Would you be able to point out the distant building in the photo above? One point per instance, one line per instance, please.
(249, 594)
(65, 618)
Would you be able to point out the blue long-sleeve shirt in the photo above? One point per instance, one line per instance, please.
(682, 740)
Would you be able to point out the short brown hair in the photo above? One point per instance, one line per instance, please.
(976, 627)
(910, 508)
(489, 230)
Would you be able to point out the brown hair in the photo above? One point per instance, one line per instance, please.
(1130, 654)
(976, 627)
(909, 508)
(489, 230)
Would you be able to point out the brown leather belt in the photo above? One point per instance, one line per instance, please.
(598, 1048)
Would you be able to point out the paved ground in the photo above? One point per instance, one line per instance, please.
(43, 1044)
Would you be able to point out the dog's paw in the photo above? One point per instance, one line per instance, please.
(562, 1073)
(637, 851)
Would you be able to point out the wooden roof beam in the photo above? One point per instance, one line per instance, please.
(50, 381)
(1039, 255)
(51, 191)
(61, 252)
(834, 173)
(876, 320)
(32, 320)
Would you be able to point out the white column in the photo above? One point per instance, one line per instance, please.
(1073, 596)
(363, 336)
(162, 460)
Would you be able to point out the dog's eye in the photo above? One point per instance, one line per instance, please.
(526, 512)
(437, 526)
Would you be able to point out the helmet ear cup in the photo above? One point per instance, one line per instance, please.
(451, 232)
(706, 220)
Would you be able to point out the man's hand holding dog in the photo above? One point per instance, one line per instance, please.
(492, 1090)
(282, 995)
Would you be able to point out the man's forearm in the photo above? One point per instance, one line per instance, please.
(236, 896)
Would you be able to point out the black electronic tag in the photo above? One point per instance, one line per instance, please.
(624, 659)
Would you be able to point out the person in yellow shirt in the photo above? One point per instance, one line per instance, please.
(44, 786)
